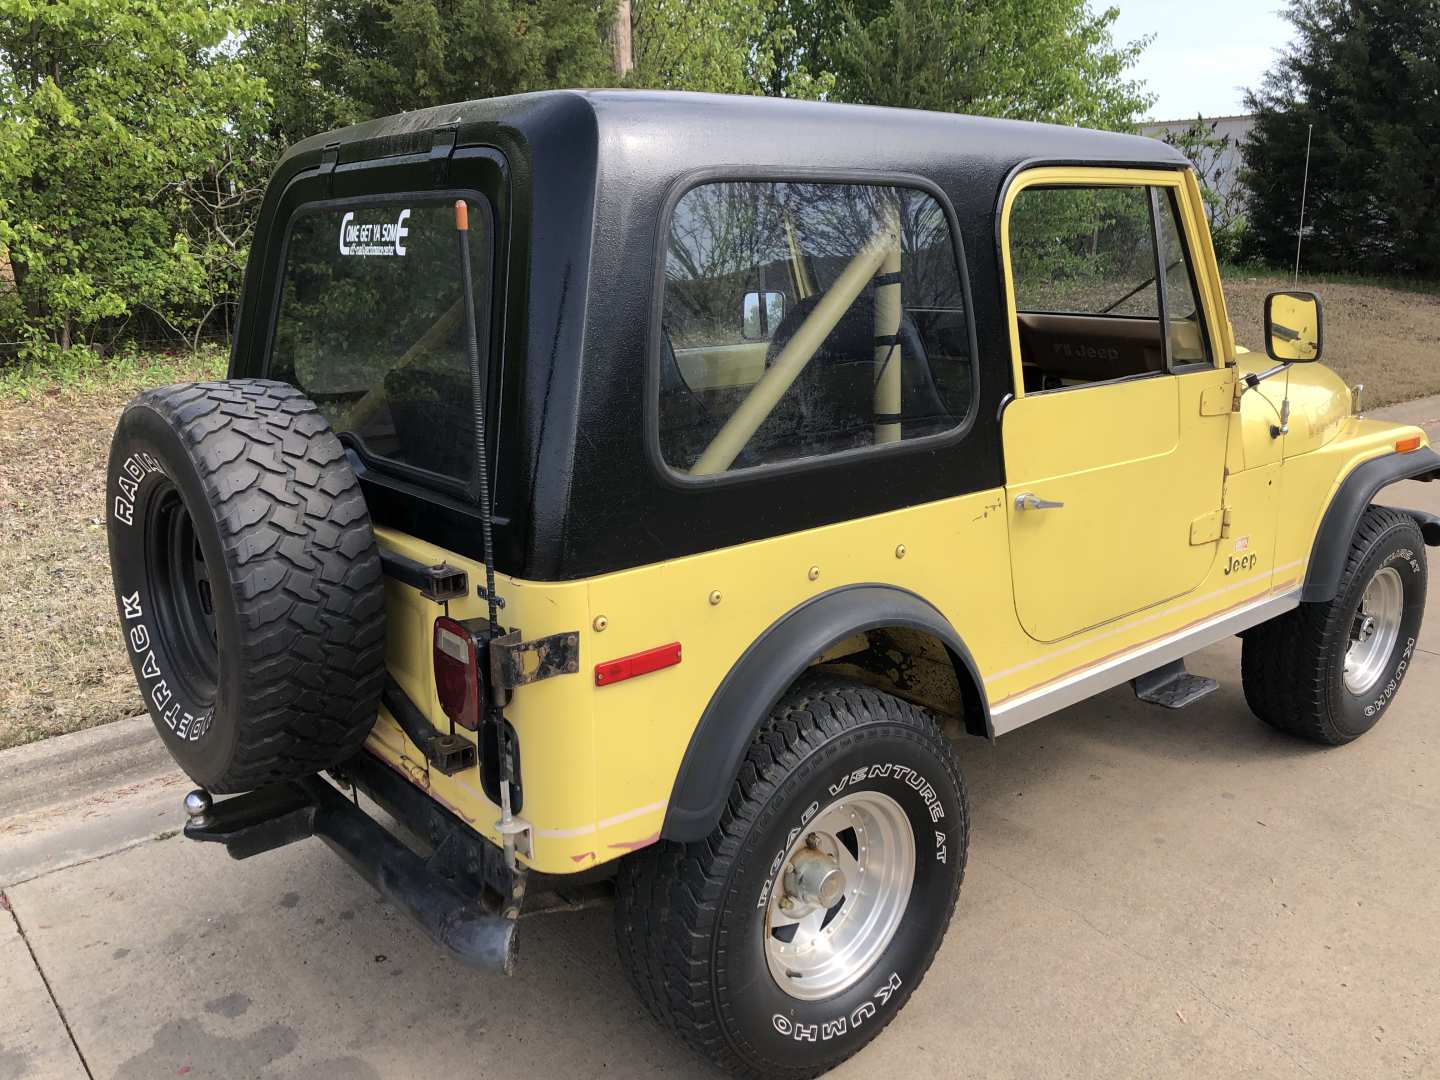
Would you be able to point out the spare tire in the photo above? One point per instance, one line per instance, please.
(247, 579)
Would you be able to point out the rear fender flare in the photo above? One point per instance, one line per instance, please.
(767, 669)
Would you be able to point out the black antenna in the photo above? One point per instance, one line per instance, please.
(481, 482)
(493, 711)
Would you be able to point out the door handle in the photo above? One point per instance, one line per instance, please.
(1029, 501)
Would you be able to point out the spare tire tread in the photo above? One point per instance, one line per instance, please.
(309, 591)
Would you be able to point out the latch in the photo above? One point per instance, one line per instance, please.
(514, 662)
(329, 158)
(441, 150)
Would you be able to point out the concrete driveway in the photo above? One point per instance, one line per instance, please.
(1150, 893)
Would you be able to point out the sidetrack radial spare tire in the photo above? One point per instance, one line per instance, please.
(248, 581)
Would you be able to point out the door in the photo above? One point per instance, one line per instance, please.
(1115, 442)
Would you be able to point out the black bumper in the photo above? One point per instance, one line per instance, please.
(460, 893)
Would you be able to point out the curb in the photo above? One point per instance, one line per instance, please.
(66, 769)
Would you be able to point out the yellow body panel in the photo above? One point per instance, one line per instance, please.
(1144, 466)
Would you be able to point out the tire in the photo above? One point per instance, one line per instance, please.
(247, 579)
(1294, 668)
(691, 919)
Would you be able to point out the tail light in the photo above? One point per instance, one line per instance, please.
(457, 672)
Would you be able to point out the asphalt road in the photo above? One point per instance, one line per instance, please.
(1150, 893)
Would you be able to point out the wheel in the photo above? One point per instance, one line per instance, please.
(248, 581)
(786, 940)
(1328, 672)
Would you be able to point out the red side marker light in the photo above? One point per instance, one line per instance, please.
(1404, 446)
(640, 663)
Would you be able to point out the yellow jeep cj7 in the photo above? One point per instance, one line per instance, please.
(650, 493)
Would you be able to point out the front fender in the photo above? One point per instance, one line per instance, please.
(767, 669)
(1342, 516)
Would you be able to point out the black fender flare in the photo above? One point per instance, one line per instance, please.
(767, 669)
(1342, 516)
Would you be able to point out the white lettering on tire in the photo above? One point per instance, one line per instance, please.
(153, 683)
(840, 1025)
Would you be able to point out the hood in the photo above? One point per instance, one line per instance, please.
(1319, 401)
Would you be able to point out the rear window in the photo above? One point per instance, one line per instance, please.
(371, 326)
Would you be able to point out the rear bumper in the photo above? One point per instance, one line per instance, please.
(460, 894)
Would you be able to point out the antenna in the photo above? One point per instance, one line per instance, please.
(1304, 189)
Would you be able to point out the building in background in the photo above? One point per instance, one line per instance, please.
(1224, 170)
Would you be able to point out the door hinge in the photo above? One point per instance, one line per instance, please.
(1225, 524)
(514, 662)
(1206, 528)
(1217, 400)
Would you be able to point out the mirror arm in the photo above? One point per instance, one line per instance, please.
(1254, 379)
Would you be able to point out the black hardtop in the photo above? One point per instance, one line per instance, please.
(584, 189)
(672, 132)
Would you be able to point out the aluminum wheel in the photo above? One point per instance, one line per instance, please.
(1375, 631)
(840, 895)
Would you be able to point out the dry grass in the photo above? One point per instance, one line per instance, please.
(64, 668)
(1385, 338)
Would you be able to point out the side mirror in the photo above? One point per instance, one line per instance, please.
(1294, 327)
(758, 322)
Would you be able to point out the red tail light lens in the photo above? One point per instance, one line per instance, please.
(457, 672)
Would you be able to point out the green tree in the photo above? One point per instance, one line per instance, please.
(387, 56)
(718, 46)
(1052, 60)
(116, 177)
(1366, 74)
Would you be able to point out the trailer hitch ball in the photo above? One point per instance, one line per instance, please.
(198, 805)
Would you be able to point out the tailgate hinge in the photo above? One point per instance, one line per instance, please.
(514, 662)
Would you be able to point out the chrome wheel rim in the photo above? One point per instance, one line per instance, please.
(840, 895)
(1375, 630)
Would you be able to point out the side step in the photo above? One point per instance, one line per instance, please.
(446, 907)
(1172, 686)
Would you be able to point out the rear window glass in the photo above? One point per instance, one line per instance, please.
(372, 326)
(806, 319)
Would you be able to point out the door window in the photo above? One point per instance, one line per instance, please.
(1097, 273)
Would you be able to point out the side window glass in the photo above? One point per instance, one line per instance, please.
(804, 319)
(1088, 300)
(1188, 340)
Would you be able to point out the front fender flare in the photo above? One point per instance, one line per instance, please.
(1342, 516)
(767, 669)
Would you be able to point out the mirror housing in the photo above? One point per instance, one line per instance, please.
(1294, 326)
(756, 322)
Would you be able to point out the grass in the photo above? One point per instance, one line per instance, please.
(120, 374)
(1386, 338)
(64, 666)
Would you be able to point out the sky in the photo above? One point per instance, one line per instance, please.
(1204, 53)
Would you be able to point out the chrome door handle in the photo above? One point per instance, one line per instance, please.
(1027, 501)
